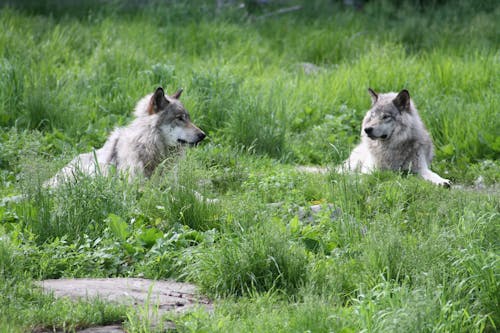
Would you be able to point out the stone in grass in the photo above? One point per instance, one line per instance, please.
(310, 68)
(306, 214)
(159, 297)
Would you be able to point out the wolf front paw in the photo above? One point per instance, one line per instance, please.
(435, 178)
(446, 183)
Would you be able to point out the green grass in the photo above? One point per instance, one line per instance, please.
(387, 253)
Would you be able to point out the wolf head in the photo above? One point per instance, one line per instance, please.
(386, 114)
(173, 120)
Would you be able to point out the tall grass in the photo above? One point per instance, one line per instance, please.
(387, 252)
(259, 259)
(178, 195)
(75, 209)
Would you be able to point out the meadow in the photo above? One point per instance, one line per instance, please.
(388, 252)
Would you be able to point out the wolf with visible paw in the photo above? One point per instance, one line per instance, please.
(393, 137)
(161, 129)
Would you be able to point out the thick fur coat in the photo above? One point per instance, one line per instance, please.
(161, 129)
(393, 137)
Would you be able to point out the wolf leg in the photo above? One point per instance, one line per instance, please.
(429, 175)
(433, 177)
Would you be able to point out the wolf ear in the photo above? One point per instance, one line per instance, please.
(178, 93)
(158, 101)
(402, 101)
(373, 95)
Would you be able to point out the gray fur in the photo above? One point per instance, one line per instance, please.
(161, 129)
(393, 137)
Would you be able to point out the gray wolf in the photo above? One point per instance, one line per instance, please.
(161, 129)
(393, 137)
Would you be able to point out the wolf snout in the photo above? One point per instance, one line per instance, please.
(197, 139)
(200, 137)
(194, 140)
(369, 132)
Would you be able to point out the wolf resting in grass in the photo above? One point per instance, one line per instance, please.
(393, 137)
(161, 129)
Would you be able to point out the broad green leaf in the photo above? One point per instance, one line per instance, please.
(118, 227)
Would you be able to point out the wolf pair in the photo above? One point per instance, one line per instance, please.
(393, 137)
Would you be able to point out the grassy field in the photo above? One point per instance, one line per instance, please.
(387, 253)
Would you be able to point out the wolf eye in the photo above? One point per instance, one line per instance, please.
(181, 117)
(386, 117)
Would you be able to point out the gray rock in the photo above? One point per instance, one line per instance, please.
(104, 329)
(159, 297)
